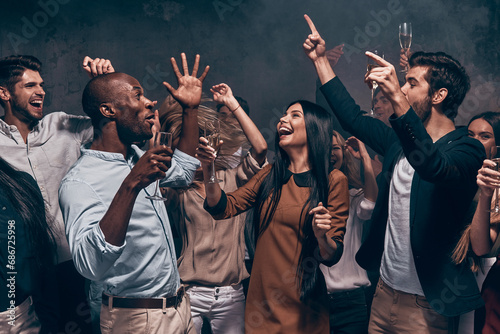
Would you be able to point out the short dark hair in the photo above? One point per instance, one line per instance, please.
(243, 103)
(95, 93)
(12, 68)
(443, 71)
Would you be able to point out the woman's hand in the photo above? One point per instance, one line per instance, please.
(321, 222)
(223, 94)
(487, 178)
(357, 148)
(205, 153)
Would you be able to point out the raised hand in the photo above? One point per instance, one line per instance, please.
(334, 54)
(321, 220)
(357, 148)
(487, 178)
(223, 94)
(188, 94)
(205, 153)
(97, 66)
(386, 78)
(314, 45)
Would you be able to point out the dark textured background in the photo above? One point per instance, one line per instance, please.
(254, 46)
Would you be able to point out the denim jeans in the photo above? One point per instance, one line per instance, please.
(348, 312)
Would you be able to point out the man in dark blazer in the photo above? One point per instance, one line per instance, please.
(426, 185)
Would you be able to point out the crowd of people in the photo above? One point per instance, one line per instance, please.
(359, 224)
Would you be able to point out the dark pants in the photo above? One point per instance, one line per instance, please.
(348, 312)
(74, 310)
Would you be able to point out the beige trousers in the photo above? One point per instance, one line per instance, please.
(25, 319)
(140, 320)
(398, 312)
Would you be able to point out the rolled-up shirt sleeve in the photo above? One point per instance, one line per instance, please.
(82, 210)
(182, 170)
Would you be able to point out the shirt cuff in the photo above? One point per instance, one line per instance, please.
(181, 156)
(219, 208)
(336, 256)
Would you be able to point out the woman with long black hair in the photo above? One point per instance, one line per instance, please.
(27, 252)
(301, 210)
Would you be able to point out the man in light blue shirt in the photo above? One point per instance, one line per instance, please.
(117, 236)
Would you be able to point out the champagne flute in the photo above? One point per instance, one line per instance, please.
(405, 39)
(161, 139)
(371, 65)
(212, 134)
(495, 157)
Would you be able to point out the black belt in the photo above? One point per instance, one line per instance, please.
(124, 302)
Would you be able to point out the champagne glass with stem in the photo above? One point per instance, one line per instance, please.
(495, 157)
(405, 39)
(212, 134)
(161, 139)
(371, 65)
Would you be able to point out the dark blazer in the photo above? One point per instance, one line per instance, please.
(442, 189)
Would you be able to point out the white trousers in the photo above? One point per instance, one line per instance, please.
(223, 306)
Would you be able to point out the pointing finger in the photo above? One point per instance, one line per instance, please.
(310, 23)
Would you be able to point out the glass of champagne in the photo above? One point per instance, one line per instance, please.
(405, 39)
(371, 65)
(212, 134)
(495, 157)
(161, 139)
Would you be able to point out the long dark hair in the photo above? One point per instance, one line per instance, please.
(29, 204)
(493, 119)
(462, 250)
(319, 142)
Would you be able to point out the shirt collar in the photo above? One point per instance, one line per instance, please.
(301, 179)
(133, 153)
(7, 129)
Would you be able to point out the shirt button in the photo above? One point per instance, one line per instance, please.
(216, 297)
(217, 290)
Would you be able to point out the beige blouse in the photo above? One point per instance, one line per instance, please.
(213, 252)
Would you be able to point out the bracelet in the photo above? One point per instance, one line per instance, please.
(232, 111)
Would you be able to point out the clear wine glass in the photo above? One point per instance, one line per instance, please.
(161, 139)
(405, 39)
(495, 157)
(371, 65)
(212, 134)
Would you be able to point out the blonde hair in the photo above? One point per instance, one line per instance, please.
(231, 133)
(463, 248)
(350, 166)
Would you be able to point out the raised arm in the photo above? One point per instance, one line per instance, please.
(223, 94)
(188, 94)
(358, 150)
(386, 78)
(97, 66)
(314, 47)
(149, 168)
(482, 233)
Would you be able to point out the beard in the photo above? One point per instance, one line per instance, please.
(21, 109)
(423, 108)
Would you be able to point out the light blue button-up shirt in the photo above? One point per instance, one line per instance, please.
(145, 265)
